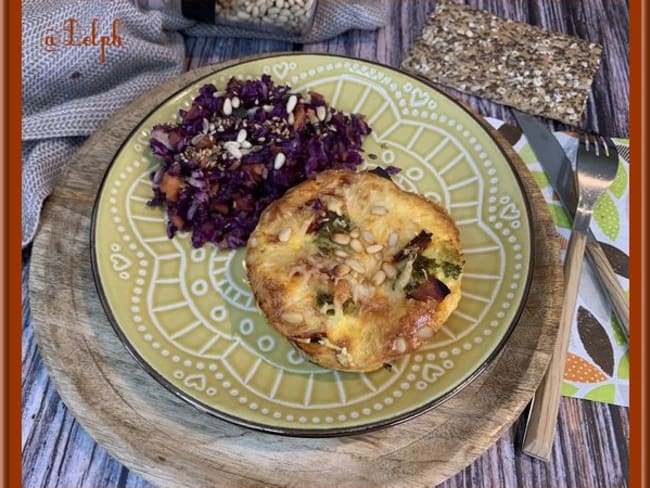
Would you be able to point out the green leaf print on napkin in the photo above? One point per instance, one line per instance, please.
(540, 178)
(619, 185)
(606, 216)
(527, 155)
(605, 393)
(568, 389)
(560, 216)
(623, 371)
(619, 337)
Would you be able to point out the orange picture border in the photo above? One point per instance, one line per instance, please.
(10, 296)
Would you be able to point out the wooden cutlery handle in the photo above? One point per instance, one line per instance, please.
(610, 284)
(542, 418)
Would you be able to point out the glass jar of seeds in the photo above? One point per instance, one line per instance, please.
(292, 16)
(280, 17)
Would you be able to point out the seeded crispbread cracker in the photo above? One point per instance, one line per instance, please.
(512, 63)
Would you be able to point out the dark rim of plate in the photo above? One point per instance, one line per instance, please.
(310, 432)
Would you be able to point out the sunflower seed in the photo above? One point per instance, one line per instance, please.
(378, 278)
(390, 270)
(355, 265)
(374, 248)
(341, 270)
(342, 239)
(356, 245)
(368, 237)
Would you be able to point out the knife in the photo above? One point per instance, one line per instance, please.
(557, 167)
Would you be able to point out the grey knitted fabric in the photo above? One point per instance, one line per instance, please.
(68, 94)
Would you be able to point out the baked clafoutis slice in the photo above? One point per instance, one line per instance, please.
(354, 271)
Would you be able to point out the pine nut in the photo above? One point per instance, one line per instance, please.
(285, 234)
(236, 153)
(227, 107)
(291, 103)
(280, 159)
(354, 233)
(235, 102)
(341, 253)
(425, 332)
(400, 345)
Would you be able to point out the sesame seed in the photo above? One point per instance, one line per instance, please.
(379, 210)
(235, 102)
(400, 345)
(241, 135)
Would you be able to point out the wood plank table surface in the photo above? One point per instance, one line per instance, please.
(591, 448)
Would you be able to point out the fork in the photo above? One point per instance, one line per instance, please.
(597, 164)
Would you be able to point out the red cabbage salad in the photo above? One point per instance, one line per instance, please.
(236, 150)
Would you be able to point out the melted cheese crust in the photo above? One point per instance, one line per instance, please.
(344, 306)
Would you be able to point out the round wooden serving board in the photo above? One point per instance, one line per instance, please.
(159, 436)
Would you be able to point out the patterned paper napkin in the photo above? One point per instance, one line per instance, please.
(597, 366)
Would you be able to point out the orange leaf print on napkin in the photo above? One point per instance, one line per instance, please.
(582, 371)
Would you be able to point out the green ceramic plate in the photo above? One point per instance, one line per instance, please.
(189, 317)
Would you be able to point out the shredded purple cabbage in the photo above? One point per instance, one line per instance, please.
(216, 180)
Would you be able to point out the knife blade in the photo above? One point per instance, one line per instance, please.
(553, 159)
(559, 171)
